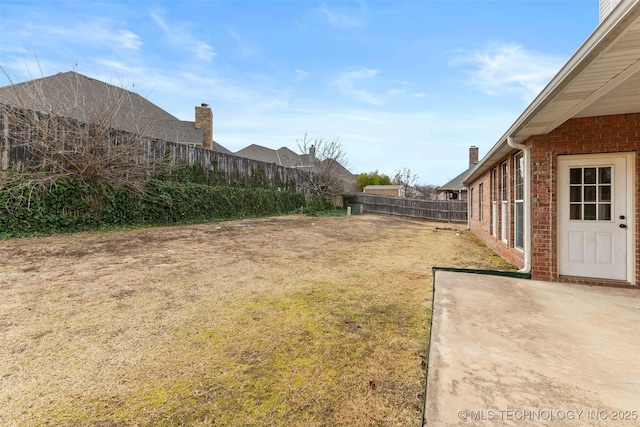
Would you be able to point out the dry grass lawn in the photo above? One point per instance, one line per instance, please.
(291, 320)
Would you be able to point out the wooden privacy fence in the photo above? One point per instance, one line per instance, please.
(437, 210)
(234, 169)
(16, 153)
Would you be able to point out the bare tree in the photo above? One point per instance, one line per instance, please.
(429, 191)
(408, 179)
(65, 131)
(325, 162)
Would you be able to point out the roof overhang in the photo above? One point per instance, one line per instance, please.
(601, 78)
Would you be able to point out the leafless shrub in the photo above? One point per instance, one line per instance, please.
(64, 130)
(326, 166)
(407, 179)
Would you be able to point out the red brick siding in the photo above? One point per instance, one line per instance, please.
(590, 135)
(483, 228)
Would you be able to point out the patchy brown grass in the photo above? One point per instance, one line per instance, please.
(266, 322)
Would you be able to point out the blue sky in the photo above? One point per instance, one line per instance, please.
(400, 83)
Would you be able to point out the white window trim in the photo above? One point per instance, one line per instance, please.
(504, 197)
(516, 201)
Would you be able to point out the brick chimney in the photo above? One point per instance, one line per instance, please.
(473, 155)
(204, 120)
(312, 154)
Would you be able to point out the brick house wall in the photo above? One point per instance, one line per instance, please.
(482, 225)
(590, 135)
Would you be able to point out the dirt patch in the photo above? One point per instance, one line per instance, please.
(276, 321)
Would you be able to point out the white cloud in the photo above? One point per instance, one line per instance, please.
(222, 89)
(301, 75)
(392, 92)
(96, 32)
(507, 68)
(203, 50)
(340, 19)
(179, 35)
(159, 21)
(19, 68)
(351, 84)
(243, 48)
(118, 66)
(126, 38)
(347, 83)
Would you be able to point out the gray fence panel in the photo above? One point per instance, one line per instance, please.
(436, 210)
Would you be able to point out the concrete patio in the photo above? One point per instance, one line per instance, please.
(516, 352)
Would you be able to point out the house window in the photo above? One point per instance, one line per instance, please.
(518, 191)
(471, 202)
(494, 202)
(505, 202)
(480, 202)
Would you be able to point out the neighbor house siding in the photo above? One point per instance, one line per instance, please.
(385, 190)
(590, 135)
(393, 193)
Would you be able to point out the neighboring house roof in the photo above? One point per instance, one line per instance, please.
(290, 159)
(338, 169)
(456, 184)
(74, 95)
(219, 148)
(283, 156)
(601, 78)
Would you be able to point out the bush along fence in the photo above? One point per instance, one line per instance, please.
(436, 210)
(75, 204)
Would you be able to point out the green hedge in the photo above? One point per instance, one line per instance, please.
(73, 204)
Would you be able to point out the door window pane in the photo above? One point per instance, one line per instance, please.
(589, 175)
(576, 194)
(604, 175)
(590, 193)
(576, 175)
(575, 211)
(590, 212)
(605, 193)
(604, 212)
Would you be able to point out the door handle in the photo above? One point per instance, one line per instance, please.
(623, 225)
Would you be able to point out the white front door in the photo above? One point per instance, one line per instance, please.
(594, 206)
